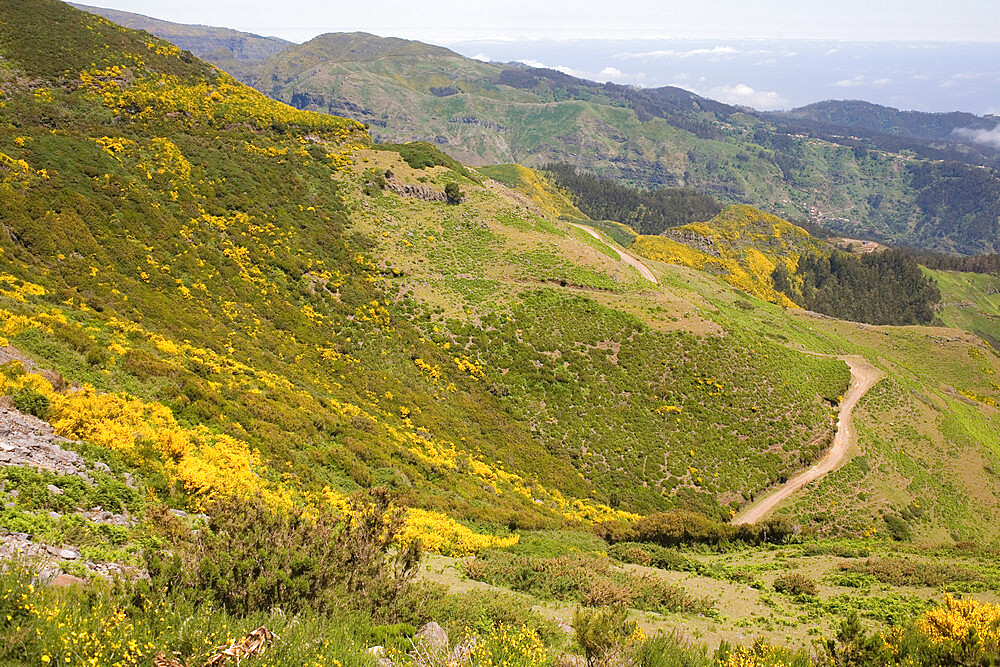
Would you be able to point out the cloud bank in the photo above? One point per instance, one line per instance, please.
(986, 137)
(743, 95)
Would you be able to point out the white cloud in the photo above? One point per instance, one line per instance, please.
(985, 137)
(715, 52)
(609, 73)
(744, 95)
(862, 80)
(559, 68)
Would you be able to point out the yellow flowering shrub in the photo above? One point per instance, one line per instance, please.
(441, 534)
(206, 463)
(509, 647)
(147, 96)
(758, 655)
(745, 247)
(962, 620)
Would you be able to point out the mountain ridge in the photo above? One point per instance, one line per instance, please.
(485, 113)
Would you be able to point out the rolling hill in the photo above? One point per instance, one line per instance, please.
(232, 50)
(211, 301)
(840, 164)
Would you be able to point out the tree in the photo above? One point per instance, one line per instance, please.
(453, 193)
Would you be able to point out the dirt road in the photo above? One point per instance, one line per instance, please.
(864, 376)
(627, 258)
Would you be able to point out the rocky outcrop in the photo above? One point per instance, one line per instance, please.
(421, 192)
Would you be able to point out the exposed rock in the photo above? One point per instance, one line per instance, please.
(180, 514)
(26, 440)
(63, 579)
(67, 554)
(55, 490)
(421, 192)
(434, 637)
(47, 560)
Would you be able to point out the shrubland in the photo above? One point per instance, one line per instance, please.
(223, 301)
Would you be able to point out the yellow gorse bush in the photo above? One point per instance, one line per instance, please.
(148, 96)
(442, 534)
(961, 620)
(758, 655)
(509, 647)
(206, 463)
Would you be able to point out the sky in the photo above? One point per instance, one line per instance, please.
(926, 55)
(452, 20)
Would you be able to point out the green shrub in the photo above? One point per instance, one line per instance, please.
(453, 193)
(252, 558)
(32, 402)
(794, 583)
(656, 556)
(903, 572)
(602, 631)
(480, 611)
(592, 580)
(421, 155)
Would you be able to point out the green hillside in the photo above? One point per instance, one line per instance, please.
(488, 113)
(970, 301)
(847, 178)
(231, 50)
(403, 390)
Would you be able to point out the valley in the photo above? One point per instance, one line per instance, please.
(277, 393)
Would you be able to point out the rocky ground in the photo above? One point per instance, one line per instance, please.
(28, 441)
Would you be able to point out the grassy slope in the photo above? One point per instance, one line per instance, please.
(540, 189)
(574, 352)
(970, 301)
(211, 251)
(735, 156)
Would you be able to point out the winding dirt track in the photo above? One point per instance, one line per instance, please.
(627, 258)
(864, 376)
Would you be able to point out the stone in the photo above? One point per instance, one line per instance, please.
(64, 579)
(376, 651)
(180, 514)
(101, 466)
(54, 515)
(54, 489)
(434, 637)
(68, 554)
(13, 493)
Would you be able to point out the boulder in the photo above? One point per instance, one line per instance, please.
(434, 637)
(64, 579)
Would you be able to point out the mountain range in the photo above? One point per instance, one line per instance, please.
(914, 178)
